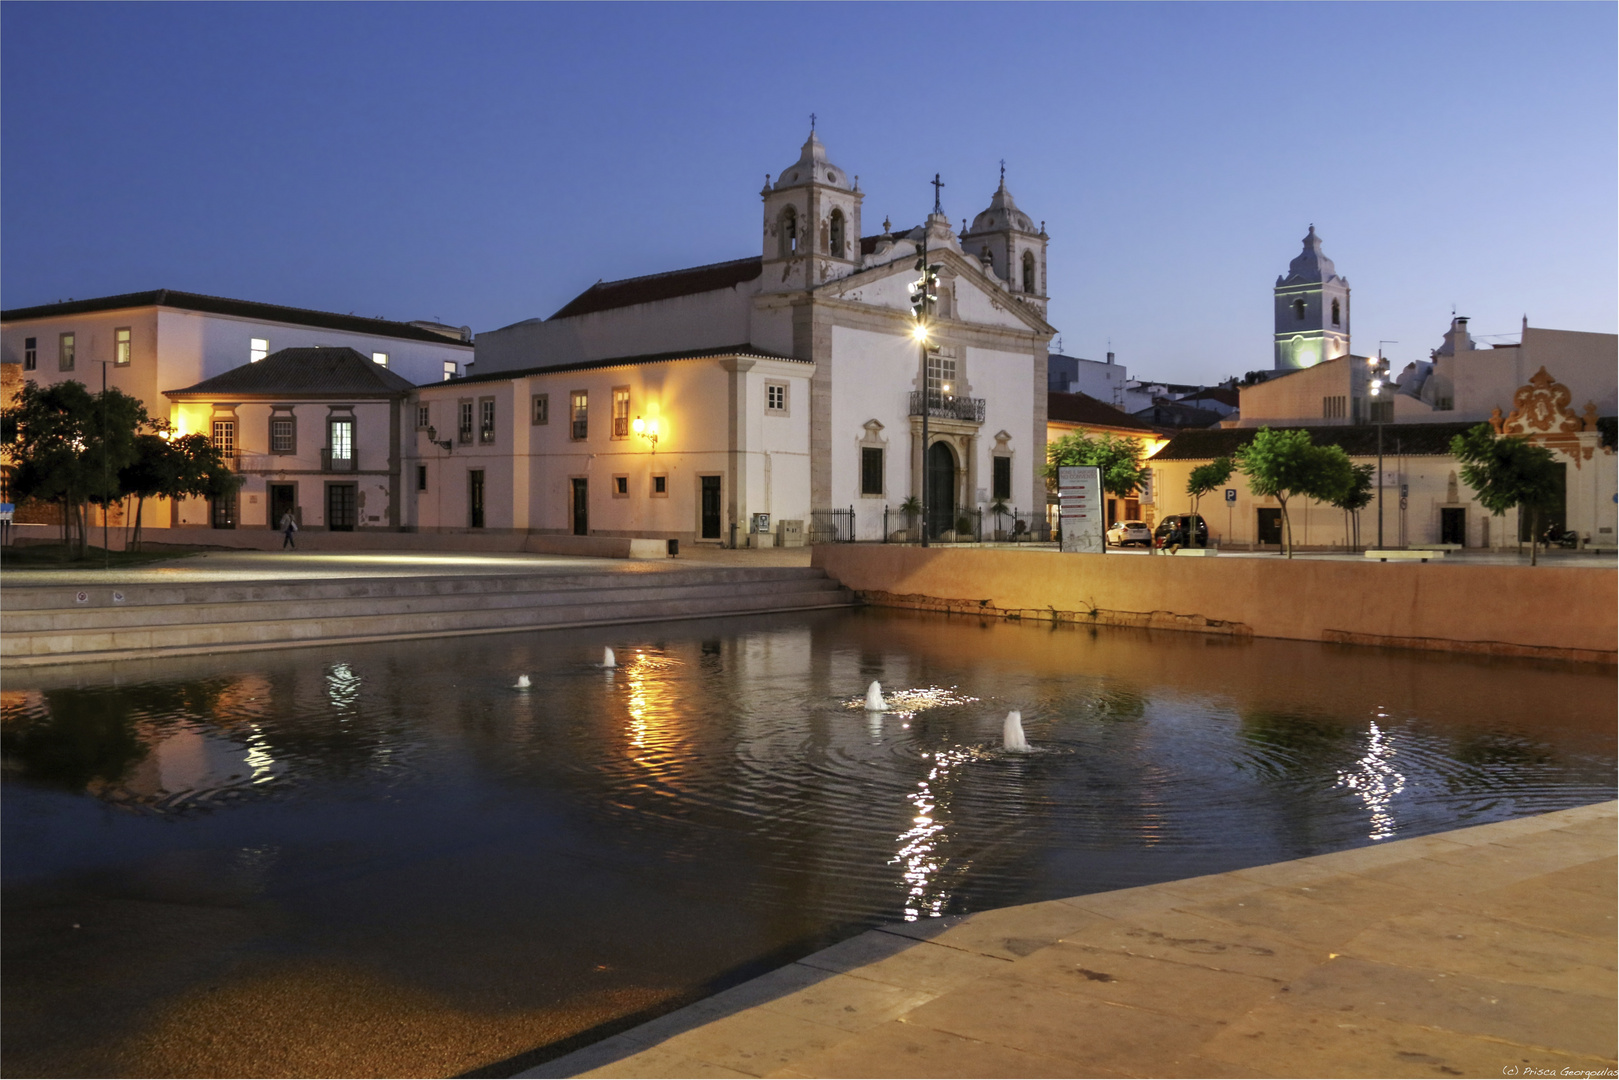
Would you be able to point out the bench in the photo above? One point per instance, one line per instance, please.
(1436, 547)
(1195, 551)
(1385, 554)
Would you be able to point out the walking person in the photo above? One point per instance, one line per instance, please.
(288, 527)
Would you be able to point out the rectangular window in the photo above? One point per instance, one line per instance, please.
(450, 370)
(621, 412)
(283, 434)
(421, 478)
(581, 414)
(541, 412)
(1382, 412)
(871, 470)
(65, 352)
(30, 354)
(776, 398)
(257, 349)
(342, 433)
(380, 358)
(122, 344)
(1003, 478)
(660, 487)
(465, 427)
(941, 374)
(422, 420)
(486, 419)
(621, 486)
(225, 437)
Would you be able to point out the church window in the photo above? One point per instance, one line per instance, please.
(1003, 477)
(941, 374)
(1298, 310)
(776, 398)
(1335, 313)
(871, 470)
(837, 233)
(789, 232)
(1028, 272)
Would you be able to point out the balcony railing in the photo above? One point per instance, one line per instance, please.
(330, 464)
(949, 407)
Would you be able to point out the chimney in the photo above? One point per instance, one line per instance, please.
(1110, 358)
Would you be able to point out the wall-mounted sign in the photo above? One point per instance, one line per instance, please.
(1080, 508)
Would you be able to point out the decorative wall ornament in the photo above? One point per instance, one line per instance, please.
(1540, 413)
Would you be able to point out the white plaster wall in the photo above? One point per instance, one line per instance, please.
(1483, 379)
(205, 345)
(777, 458)
(873, 375)
(93, 334)
(1005, 380)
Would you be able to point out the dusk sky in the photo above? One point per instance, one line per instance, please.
(482, 164)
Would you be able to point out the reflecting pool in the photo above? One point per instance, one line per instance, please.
(392, 860)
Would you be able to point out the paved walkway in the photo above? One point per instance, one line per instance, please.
(1486, 951)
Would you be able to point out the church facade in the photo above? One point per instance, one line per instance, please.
(712, 404)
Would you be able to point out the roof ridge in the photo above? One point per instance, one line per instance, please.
(683, 270)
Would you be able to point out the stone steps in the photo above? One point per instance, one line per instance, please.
(156, 621)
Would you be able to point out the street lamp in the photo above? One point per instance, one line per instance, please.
(648, 430)
(1378, 371)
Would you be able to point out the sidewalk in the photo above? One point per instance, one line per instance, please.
(1486, 951)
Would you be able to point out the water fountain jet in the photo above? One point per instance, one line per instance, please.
(874, 698)
(608, 659)
(1012, 737)
(522, 683)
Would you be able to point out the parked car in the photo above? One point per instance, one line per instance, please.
(1189, 523)
(1125, 533)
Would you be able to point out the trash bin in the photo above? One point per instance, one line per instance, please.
(674, 547)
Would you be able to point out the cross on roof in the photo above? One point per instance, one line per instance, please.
(1003, 172)
(937, 184)
(812, 122)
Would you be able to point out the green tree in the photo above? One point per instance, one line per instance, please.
(1354, 499)
(1286, 463)
(1118, 458)
(1205, 478)
(1508, 471)
(69, 446)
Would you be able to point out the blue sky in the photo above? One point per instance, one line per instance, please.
(484, 163)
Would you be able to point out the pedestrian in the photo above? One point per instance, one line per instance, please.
(1173, 542)
(288, 527)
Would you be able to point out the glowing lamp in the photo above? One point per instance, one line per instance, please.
(646, 429)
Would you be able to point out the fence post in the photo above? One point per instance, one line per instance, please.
(851, 523)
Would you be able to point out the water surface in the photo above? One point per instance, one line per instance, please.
(386, 860)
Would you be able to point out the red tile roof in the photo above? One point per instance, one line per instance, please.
(1086, 411)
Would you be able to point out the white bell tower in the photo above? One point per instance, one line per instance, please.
(1312, 310)
(811, 222)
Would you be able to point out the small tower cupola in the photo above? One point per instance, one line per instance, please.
(811, 222)
(1312, 310)
(1010, 243)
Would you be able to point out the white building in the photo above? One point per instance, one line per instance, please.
(163, 340)
(783, 383)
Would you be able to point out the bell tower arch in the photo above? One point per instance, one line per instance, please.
(811, 222)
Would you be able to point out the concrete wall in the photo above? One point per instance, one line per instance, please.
(1502, 610)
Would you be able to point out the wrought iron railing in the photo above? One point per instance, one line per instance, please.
(831, 526)
(948, 406)
(328, 463)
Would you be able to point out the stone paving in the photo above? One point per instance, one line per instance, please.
(1487, 951)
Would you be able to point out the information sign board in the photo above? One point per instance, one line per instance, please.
(1080, 508)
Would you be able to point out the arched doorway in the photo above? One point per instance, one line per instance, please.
(941, 481)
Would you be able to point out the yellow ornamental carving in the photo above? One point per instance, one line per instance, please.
(1540, 407)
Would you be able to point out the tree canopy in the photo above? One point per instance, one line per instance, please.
(1285, 463)
(1119, 459)
(1205, 478)
(1508, 471)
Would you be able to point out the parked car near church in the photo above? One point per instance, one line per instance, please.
(1125, 533)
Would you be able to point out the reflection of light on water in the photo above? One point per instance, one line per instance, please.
(342, 686)
(918, 852)
(258, 756)
(911, 702)
(650, 708)
(1376, 780)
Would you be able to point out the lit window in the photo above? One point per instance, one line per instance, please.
(225, 437)
(776, 397)
(941, 374)
(121, 345)
(621, 412)
(871, 470)
(30, 354)
(257, 349)
(465, 428)
(581, 414)
(542, 409)
(450, 370)
(380, 358)
(282, 432)
(342, 432)
(422, 420)
(486, 419)
(65, 352)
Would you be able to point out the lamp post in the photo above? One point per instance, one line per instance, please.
(1377, 418)
(106, 550)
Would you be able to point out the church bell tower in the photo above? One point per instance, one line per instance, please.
(1312, 310)
(811, 222)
